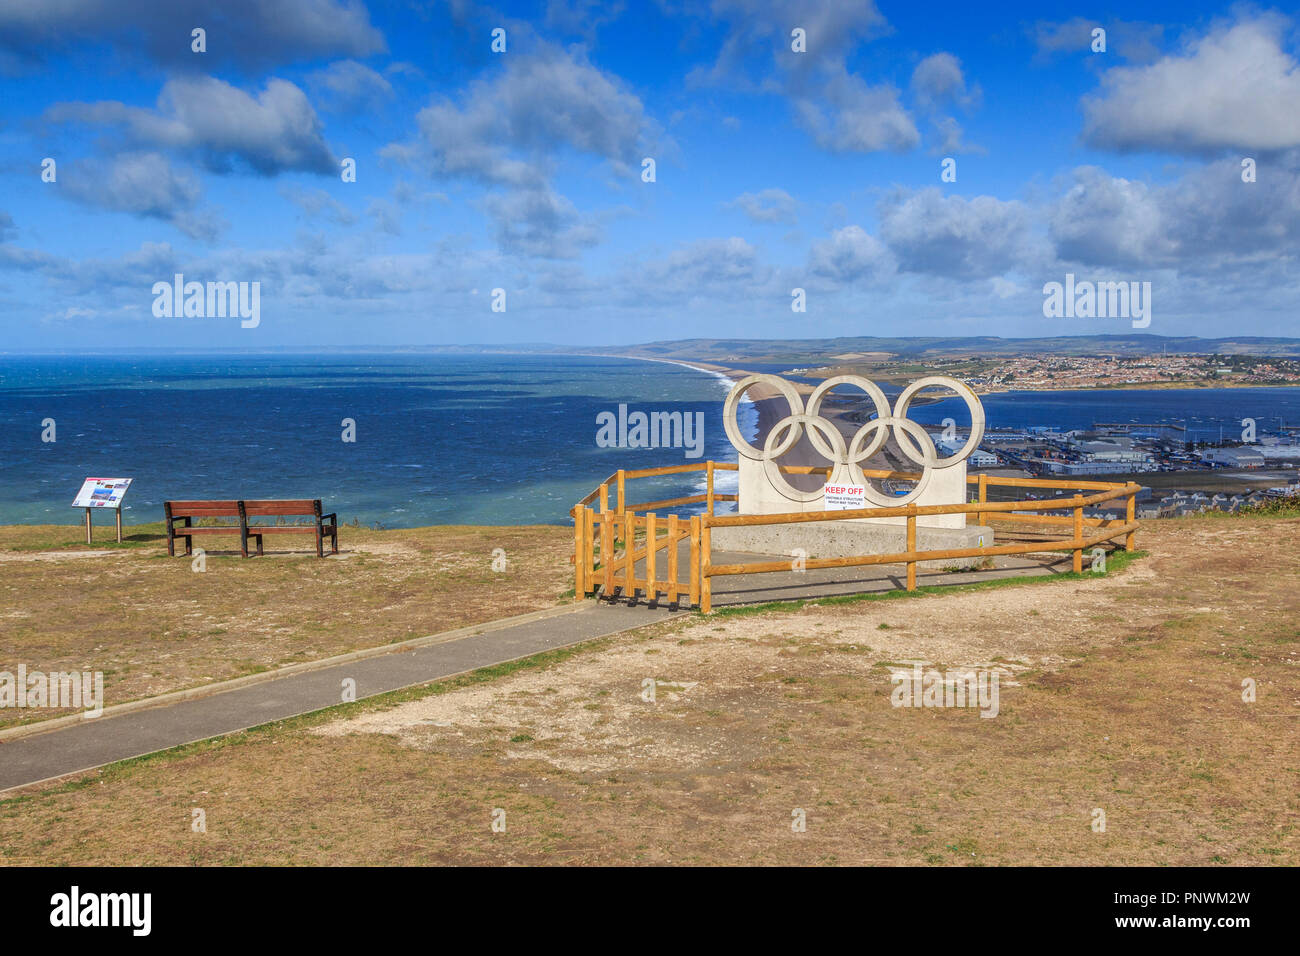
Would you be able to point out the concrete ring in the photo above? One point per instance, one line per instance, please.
(965, 393)
(729, 409)
(793, 422)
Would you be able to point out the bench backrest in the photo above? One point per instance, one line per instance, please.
(299, 506)
(202, 509)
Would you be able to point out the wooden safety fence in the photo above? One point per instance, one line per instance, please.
(610, 540)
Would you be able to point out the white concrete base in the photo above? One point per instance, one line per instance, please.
(842, 539)
(758, 496)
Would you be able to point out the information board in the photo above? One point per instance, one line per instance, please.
(102, 493)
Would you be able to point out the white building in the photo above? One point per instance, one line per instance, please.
(979, 458)
(1241, 456)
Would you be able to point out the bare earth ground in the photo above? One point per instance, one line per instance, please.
(1121, 694)
(151, 624)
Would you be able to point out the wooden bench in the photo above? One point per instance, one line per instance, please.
(252, 517)
(322, 525)
(187, 511)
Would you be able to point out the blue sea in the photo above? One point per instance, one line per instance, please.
(440, 439)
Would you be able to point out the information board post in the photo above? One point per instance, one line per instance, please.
(87, 526)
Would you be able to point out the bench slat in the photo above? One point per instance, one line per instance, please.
(206, 509)
(307, 506)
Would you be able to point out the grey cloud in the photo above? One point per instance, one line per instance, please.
(952, 139)
(349, 86)
(839, 108)
(938, 79)
(274, 132)
(509, 130)
(766, 205)
(849, 255)
(539, 222)
(1104, 220)
(848, 115)
(1206, 222)
(317, 203)
(540, 103)
(142, 184)
(954, 237)
(706, 269)
(252, 33)
(1133, 41)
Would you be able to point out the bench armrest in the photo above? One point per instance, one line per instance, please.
(333, 516)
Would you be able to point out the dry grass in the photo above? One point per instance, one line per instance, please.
(153, 625)
(1122, 694)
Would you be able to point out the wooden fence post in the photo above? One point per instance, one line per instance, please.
(1078, 536)
(984, 496)
(628, 524)
(911, 549)
(709, 486)
(672, 559)
(650, 591)
(1130, 513)
(695, 561)
(589, 532)
(706, 565)
(579, 554)
(607, 553)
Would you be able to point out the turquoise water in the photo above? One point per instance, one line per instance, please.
(439, 439)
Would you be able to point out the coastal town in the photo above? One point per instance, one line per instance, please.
(1148, 371)
(1048, 372)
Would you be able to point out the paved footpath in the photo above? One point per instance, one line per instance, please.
(87, 744)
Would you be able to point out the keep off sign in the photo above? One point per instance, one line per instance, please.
(845, 497)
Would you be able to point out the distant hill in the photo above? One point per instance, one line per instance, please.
(818, 350)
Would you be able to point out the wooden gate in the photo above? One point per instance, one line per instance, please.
(610, 545)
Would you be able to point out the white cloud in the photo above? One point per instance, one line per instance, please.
(1233, 89)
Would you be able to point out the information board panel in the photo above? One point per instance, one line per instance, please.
(102, 493)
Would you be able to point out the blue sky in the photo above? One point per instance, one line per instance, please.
(522, 170)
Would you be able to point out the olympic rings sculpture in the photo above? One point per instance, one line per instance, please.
(912, 439)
